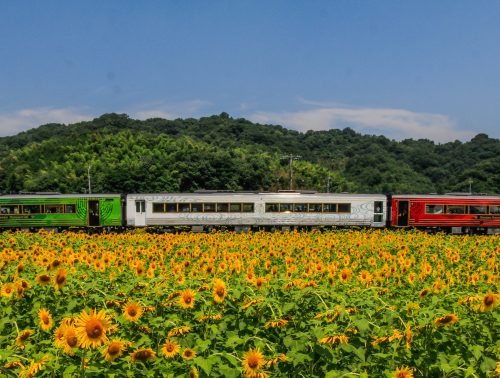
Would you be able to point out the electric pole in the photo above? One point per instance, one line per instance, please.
(291, 158)
(88, 175)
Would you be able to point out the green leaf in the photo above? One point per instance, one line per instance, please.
(204, 364)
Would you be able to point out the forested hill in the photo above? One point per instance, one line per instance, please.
(219, 152)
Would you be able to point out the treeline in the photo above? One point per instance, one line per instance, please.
(218, 152)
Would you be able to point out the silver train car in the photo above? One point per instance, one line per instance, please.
(242, 211)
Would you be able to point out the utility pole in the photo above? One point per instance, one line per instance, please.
(291, 158)
(88, 175)
(470, 186)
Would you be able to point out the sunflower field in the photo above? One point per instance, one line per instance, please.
(357, 303)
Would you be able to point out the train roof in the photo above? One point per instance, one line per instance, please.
(57, 195)
(460, 196)
(280, 194)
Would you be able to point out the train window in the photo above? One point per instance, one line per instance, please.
(222, 208)
(286, 207)
(171, 207)
(329, 207)
(140, 206)
(315, 208)
(158, 207)
(272, 208)
(455, 209)
(377, 217)
(378, 207)
(477, 209)
(248, 208)
(300, 207)
(235, 207)
(9, 209)
(434, 209)
(70, 209)
(494, 209)
(184, 208)
(209, 207)
(196, 207)
(54, 209)
(32, 209)
(344, 207)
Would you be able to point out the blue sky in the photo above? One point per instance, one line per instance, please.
(404, 69)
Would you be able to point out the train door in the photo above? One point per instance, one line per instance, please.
(403, 213)
(94, 217)
(140, 213)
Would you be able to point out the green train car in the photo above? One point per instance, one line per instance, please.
(27, 211)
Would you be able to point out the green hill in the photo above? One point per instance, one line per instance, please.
(219, 152)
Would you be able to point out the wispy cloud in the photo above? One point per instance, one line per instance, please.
(170, 110)
(393, 123)
(14, 122)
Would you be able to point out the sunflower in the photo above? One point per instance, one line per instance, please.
(408, 336)
(45, 319)
(34, 368)
(60, 278)
(23, 336)
(43, 279)
(276, 323)
(403, 372)
(253, 360)
(489, 302)
(193, 373)
(188, 354)
(425, 292)
(186, 298)
(170, 349)
(179, 331)
(69, 339)
(273, 361)
(7, 290)
(142, 355)
(91, 328)
(446, 320)
(132, 311)
(113, 350)
(345, 275)
(331, 340)
(251, 303)
(219, 292)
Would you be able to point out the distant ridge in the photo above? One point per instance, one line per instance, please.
(222, 153)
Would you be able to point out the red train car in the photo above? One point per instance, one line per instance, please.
(450, 213)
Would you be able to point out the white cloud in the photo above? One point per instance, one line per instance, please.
(21, 120)
(170, 110)
(393, 123)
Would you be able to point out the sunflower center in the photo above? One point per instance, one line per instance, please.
(60, 279)
(142, 355)
(45, 320)
(220, 291)
(94, 329)
(113, 349)
(170, 348)
(132, 311)
(488, 300)
(253, 362)
(187, 299)
(72, 340)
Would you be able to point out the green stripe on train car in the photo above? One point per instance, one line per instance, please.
(59, 211)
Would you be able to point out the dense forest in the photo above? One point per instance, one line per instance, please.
(124, 155)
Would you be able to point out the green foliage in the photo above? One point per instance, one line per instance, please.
(220, 152)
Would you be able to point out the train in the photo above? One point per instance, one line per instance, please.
(245, 211)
